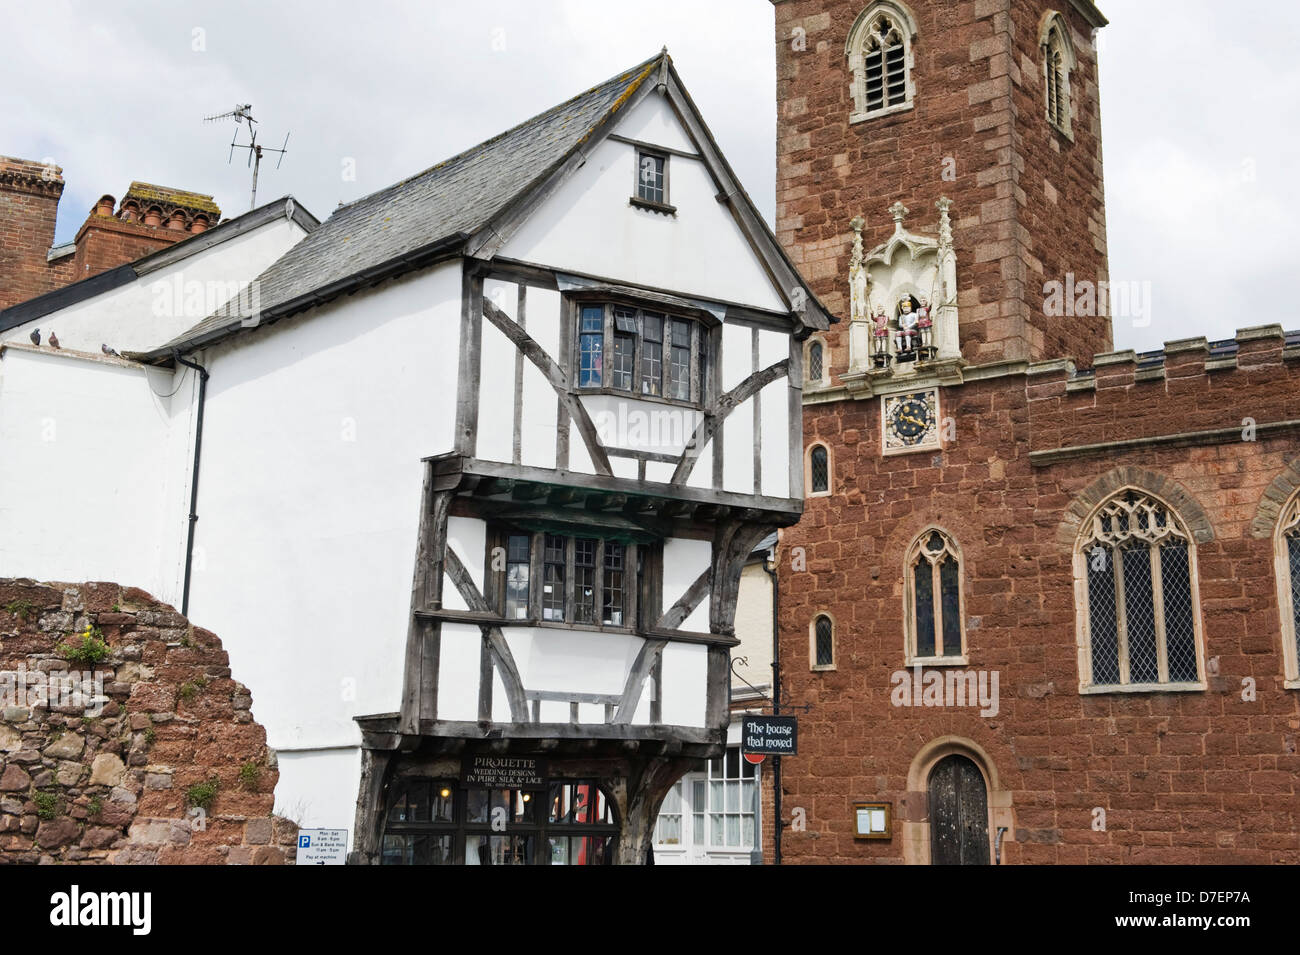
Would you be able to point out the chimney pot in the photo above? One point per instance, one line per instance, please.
(153, 216)
(105, 205)
(200, 224)
(177, 221)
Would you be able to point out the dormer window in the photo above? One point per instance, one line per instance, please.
(652, 181)
(640, 351)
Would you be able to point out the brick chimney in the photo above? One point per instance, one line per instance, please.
(29, 202)
(149, 218)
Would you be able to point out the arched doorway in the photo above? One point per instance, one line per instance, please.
(959, 813)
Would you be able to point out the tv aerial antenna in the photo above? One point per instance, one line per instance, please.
(241, 114)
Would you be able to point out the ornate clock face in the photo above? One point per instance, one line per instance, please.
(911, 421)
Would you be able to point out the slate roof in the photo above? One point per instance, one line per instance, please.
(445, 203)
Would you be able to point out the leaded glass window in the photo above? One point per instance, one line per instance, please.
(824, 641)
(815, 362)
(819, 468)
(640, 351)
(934, 612)
(1140, 605)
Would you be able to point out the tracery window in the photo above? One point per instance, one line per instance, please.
(934, 611)
(879, 50)
(1288, 579)
(1058, 62)
(1138, 602)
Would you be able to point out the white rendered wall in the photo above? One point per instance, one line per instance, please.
(318, 788)
(589, 227)
(148, 312)
(83, 470)
(684, 561)
(310, 497)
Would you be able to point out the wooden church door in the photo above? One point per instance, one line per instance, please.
(959, 813)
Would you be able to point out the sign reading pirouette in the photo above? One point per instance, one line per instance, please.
(769, 735)
(505, 772)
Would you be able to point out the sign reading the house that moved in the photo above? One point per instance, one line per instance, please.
(505, 772)
(769, 735)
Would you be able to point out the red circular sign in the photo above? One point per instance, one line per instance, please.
(754, 758)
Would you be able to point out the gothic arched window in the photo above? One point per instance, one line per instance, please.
(879, 51)
(1058, 62)
(935, 608)
(819, 470)
(1135, 571)
(1288, 587)
(823, 643)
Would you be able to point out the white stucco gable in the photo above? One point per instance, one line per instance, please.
(589, 225)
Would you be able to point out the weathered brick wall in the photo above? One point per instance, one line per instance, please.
(114, 784)
(1192, 777)
(29, 202)
(1027, 202)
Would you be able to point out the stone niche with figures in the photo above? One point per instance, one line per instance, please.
(903, 307)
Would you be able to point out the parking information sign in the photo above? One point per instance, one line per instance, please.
(322, 847)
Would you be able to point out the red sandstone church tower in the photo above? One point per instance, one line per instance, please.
(1044, 597)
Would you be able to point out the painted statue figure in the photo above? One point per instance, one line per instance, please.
(907, 321)
(880, 329)
(924, 324)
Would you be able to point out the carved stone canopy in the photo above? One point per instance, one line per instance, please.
(919, 268)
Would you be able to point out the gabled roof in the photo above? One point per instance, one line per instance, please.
(61, 298)
(467, 205)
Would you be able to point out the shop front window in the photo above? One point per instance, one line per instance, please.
(437, 822)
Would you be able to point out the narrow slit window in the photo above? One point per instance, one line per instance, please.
(819, 465)
(815, 362)
(824, 638)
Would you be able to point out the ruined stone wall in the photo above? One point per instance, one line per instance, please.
(165, 765)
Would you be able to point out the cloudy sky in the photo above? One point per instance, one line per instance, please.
(1201, 152)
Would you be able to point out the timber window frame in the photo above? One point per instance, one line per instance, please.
(934, 609)
(641, 352)
(1058, 63)
(599, 576)
(569, 821)
(650, 190)
(821, 642)
(1137, 600)
(1286, 557)
(881, 60)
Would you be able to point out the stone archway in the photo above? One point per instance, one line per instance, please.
(916, 814)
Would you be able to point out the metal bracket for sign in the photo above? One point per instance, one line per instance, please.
(777, 708)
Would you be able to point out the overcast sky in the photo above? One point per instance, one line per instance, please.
(1198, 105)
